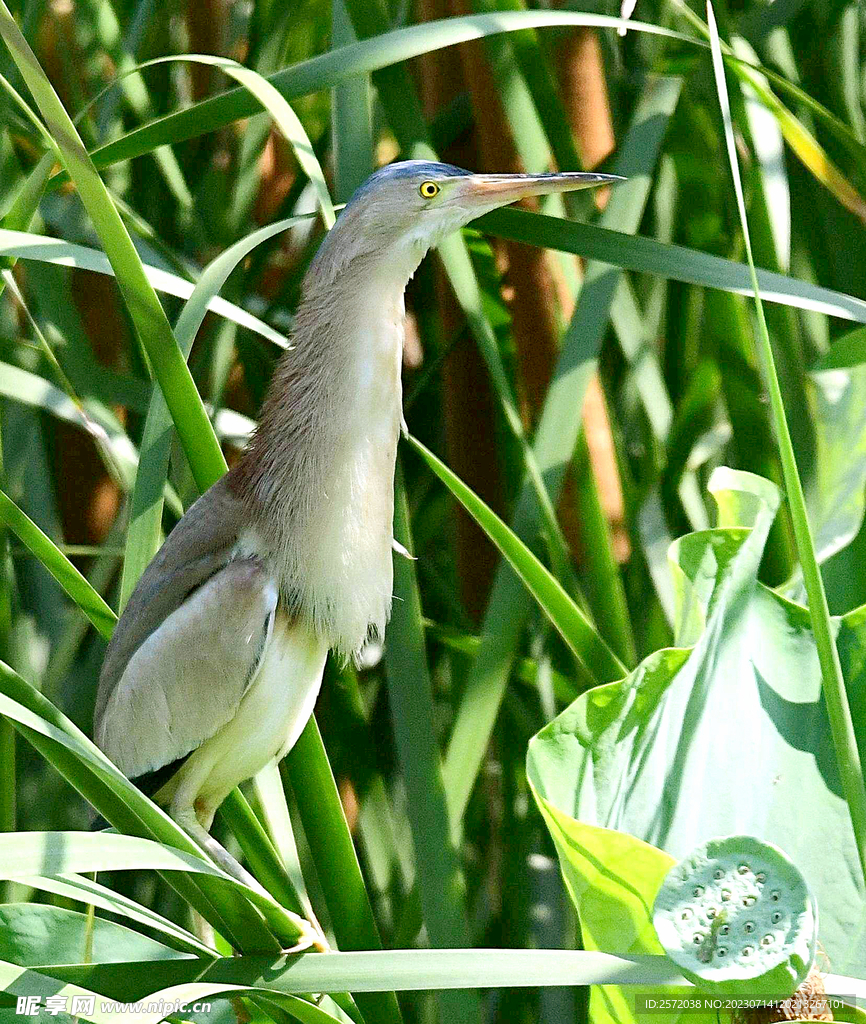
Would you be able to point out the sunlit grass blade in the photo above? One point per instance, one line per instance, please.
(43, 548)
(326, 70)
(77, 852)
(408, 969)
(29, 246)
(677, 262)
(635, 340)
(835, 694)
(185, 982)
(576, 630)
(404, 970)
(148, 316)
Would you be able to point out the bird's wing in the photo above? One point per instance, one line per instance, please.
(190, 590)
(188, 677)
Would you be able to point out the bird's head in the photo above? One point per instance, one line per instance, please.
(407, 207)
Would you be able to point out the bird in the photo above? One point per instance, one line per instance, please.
(215, 663)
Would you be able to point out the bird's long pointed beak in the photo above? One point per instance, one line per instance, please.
(502, 189)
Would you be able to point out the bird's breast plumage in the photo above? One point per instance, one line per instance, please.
(333, 553)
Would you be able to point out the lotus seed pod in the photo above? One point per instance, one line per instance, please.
(737, 916)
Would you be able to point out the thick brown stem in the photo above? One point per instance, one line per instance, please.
(469, 405)
(205, 23)
(530, 292)
(581, 71)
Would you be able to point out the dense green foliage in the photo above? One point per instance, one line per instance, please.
(596, 405)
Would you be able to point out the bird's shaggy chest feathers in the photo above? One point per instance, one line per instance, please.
(329, 501)
(347, 541)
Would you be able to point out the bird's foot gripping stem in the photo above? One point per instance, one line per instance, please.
(312, 938)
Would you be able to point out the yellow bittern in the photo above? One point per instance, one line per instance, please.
(217, 659)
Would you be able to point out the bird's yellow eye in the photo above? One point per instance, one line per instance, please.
(429, 189)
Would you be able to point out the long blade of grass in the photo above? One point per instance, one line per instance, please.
(276, 825)
(146, 313)
(28, 246)
(363, 57)
(835, 694)
(403, 44)
(576, 630)
(61, 852)
(402, 969)
(43, 548)
(410, 968)
(677, 262)
(405, 970)
(23, 982)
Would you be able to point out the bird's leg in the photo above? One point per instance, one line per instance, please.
(191, 819)
(195, 816)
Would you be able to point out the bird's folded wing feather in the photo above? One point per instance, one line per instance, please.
(188, 642)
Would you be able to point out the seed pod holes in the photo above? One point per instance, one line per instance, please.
(734, 949)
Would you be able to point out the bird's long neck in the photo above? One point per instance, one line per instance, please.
(345, 350)
(318, 474)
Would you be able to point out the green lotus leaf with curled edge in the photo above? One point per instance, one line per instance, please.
(736, 916)
(726, 733)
